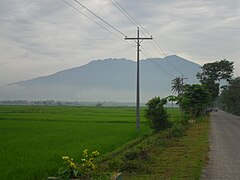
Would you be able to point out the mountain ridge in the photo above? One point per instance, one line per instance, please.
(110, 79)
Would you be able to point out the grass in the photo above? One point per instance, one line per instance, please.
(185, 157)
(33, 139)
(162, 156)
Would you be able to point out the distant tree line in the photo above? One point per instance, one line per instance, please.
(38, 103)
(64, 103)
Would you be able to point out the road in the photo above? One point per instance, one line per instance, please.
(224, 152)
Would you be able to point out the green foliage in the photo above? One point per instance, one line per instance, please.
(213, 73)
(157, 115)
(83, 169)
(216, 71)
(177, 85)
(178, 130)
(230, 97)
(195, 99)
(172, 99)
(131, 158)
(114, 165)
(138, 153)
(175, 153)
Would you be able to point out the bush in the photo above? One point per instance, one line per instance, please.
(136, 154)
(156, 114)
(134, 160)
(84, 169)
(178, 130)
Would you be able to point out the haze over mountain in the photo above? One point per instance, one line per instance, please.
(105, 80)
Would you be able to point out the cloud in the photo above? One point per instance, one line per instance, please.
(42, 37)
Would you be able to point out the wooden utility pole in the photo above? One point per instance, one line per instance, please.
(182, 83)
(138, 82)
(183, 78)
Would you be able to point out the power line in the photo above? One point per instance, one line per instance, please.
(131, 17)
(123, 12)
(131, 43)
(99, 18)
(165, 56)
(155, 63)
(92, 20)
(145, 52)
(135, 22)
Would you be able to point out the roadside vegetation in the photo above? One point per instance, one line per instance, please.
(229, 99)
(179, 152)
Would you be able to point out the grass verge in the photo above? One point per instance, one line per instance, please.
(165, 156)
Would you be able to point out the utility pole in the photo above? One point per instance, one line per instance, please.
(183, 78)
(138, 82)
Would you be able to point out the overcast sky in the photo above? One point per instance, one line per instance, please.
(39, 37)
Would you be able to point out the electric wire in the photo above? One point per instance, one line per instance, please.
(100, 18)
(135, 22)
(143, 50)
(126, 14)
(92, 19)
(123, 12)
(76, 9)
(168, 61)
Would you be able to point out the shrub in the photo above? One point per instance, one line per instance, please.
(84, 169)
(178, 130)
(134, 160)
(156, 114)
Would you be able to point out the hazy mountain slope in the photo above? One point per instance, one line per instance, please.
(106, 80)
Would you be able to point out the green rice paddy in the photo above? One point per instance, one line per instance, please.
(34, 138)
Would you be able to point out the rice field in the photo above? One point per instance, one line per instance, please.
(34, 138)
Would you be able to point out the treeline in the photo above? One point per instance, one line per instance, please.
(198, 99)
(65, 103)
(39, 103)
(229, 99)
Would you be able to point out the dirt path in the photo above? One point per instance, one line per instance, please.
(224, 148)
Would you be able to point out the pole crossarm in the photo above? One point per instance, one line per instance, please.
(137, 40)
(127, 38)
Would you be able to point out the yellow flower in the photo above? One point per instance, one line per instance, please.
(85, 151)
(95, 153)
(73, 165)
(65, 158)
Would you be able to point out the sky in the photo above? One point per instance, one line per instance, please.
(38, 38)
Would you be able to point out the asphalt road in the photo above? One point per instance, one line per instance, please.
(224, 152)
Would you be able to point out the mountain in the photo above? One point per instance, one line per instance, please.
(106, 80)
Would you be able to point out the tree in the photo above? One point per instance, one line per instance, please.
(177, 85)
(230, 97)
(172, 99)
(195, 99)
(156, 114)
(213, 73)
